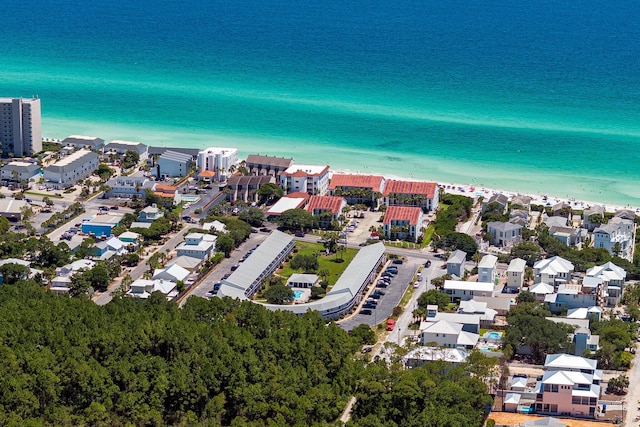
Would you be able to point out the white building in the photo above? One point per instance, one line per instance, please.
(487, 268)
(553, 271)
(462, 291)
(609, 281)
(129, 185)
(20, 126)
(216, 164)
(171, 273)
(72, 168)
(447, 334)
(17, 171)
(121, 147)
(143, 288)
(616, 237)
(81, 141)
(310, 179)
(515, 274)
(197, 245)
(60, 284)
(298, 280)
(172, 164)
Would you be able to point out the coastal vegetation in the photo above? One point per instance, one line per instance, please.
(68, 361)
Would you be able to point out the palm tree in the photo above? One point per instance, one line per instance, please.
(477, 257)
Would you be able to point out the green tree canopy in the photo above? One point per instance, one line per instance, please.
(278, 294)
(253, 216)
(297, 219)
(269, 192)
(434, 297)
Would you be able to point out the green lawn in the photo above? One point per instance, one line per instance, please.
(328, 262)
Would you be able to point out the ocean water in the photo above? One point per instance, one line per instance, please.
(539, 96)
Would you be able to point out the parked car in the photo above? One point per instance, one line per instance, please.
(299, 234)
(379, 292)
(369, 306)
(428, 263)
(386, 285)
(114, 208)
(234, 267)
(367, 350)
(265, 230)
(376, 296)
(226, 276)
(366, 311)
(397, 261)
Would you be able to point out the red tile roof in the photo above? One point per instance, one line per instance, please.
(207, 174)
(372, 182)
(332, 203)
(165, 188)
(158, 193)
(298, 195)
(427, 189)
(402, 213)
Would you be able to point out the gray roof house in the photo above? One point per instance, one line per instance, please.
(500, 199)
(267, 165)
(504, 234)
(68, 170)
(17, 171)
(586, 222)
(172, 164)
(625, 214)
(456, 262)
(150, 214)
(121, 147)
(80, 141)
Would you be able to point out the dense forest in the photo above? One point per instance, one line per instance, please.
(69, 362)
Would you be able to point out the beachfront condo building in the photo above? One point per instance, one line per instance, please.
(402, 222)
(411, 193)
(216, 164)
(81, 141)
(356, 189)
(121, 148)
(67, 171)
(310, 179)
(20, 126)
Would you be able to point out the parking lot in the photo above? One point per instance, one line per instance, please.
(391, 298)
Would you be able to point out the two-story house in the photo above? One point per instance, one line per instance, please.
(197, 245)
(515, 274)
(554, 271)
(616, 237)
(150, 214)
(609, 280)
(456, 263)
(487, 268)
(504, 234)
(463, 291)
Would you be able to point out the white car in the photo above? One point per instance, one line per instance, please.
(416, 285)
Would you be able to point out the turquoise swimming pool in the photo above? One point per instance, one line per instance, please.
(495, 335)
(297, 294)
(190, 199)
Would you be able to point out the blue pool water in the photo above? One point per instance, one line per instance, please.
(495, 335)
(190, 198)
(297, 294)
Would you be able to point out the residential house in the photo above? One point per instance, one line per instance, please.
(584, 313)
(423, 355)
(80, 141)
(172, 164)
(18, 171)
(326, 208)
(504, 234)
(593, 217)
(128, 186)
(257, 164)
(616, 237)
(67, 171)
(411, 193)
(216, 164)
(310, 179)
(500, 199)
(609, 278)
(501, 304)
(216, 226)
(561, 209)
(569, 296)
(567, 235)
(130, 238)
(487, 315)
(245, 188)
(171, 273)
(32, 271)
(544, 422)
(456, 263)
(520, 217)
(108, 248)
(554, 271)
(520, 202)
(541, 290)
(584, 342)
(298, 280)
(515, 275)
(447, 334)
(62, 282)
(625, 214)
(150, 214)
(511, 402)
(487, 269)
(462, 291)
(555, 221)
(169, 193)
(188, 263)
(470, 321)
(121, 148)
(402, 222)
(197, 245)
(358, 189)
(569, 386)
(143, 288)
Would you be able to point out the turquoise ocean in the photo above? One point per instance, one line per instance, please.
(539, 96)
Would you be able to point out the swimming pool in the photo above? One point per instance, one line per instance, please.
(297, 294)
(495, 335)
(190, 199)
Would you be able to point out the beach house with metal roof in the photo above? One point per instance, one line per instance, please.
(17, 171)
(411, 193)
(402, 222)
(609, 280)
(515, 274)
(616, 237)
(81, 141)
(463, 291)
(487, 268)
(554, 271)
(121, 147)
(504, 234)
(70, 169)
(456, 263)
(447, 334)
